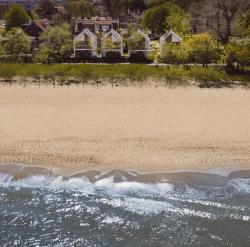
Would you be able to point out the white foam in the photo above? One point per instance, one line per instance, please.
(31, 181)
(5, 179)
(241, 185)
(112, 220)
(208, 203)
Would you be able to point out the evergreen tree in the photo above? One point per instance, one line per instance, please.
(16, 17)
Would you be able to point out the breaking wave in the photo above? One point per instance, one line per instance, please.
(193, 202)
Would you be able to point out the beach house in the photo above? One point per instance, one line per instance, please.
(139, 45)
(85, 44)
(112, 45)
(169, 37)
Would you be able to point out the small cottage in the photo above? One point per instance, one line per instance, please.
(85, 44)
(112, 45)
(169, 37)
(139, 44)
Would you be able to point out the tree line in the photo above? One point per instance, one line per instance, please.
(226, 39)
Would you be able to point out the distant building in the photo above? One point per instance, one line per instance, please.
(95, 24)
(34, 30)
(36, 27)
(57, 13)
(27, 4)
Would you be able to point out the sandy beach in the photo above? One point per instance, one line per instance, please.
(145, 130)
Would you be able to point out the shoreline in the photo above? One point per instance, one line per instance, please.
(74, 129)
(65, 172)
(39, 175)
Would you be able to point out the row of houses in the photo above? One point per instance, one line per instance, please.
(108, 43)
(86, 44)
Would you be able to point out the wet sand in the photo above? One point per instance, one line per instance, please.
(145, 130)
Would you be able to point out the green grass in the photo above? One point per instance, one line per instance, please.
(173, 75)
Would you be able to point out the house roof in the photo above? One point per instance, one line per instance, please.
(115, 35)
(175, 38)
(87, 32)
(40, 24)
(35, 28)
(145, 36)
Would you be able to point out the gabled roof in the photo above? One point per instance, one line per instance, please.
(115, 35)
(40, 24)
(145, 36)
(175, 38)
(35, 28)
(87, 32)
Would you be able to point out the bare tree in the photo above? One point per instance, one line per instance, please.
(220, 15)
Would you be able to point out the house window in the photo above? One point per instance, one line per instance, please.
(105, 28)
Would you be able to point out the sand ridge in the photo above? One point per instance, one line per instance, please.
(128, 128)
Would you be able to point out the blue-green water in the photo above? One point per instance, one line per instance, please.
(38, 208)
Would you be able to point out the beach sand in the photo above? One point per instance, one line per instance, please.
(72, 129)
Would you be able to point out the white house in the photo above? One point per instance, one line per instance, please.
(169, 37)
(85, 44)
(139, 42)
(111, 42)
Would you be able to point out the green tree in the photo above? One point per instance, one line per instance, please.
(45, 8)
(155, 17)
(245, 24)
(244, 54)
(2, 51)
(237, 53)
(114, 7)
(136, 5)
(231, 55)
(56, 44)
(16, 17)
(18, 43)
(203, 49)
(179, 23)
(80, 8)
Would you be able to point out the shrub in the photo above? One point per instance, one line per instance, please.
(203, 49)
(237, 53)
(174, 53)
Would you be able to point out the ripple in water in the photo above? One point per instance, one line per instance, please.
(121, 208)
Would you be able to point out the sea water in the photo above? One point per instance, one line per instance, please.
(39, 208)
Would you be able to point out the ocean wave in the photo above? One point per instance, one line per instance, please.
(180, 185)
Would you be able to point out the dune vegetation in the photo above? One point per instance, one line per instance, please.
(122, 74)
